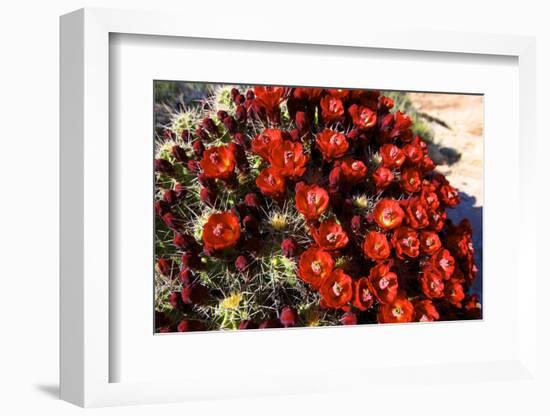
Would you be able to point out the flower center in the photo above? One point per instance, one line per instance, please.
(383, 283)
(270, 180)
(316, 267)
(334, 106)
(289, 155)
(433, 285)
(444, 263)
(312, 197)
(331, 237)
(334, 139)
(356, 165)
(215, 158)
(266, 139)
(397, 311)
(366, 295)
(337, 289)
(424, 318)
(218, 230)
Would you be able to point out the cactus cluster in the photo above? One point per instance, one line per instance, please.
(280, 207)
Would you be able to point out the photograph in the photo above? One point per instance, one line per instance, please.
(290, 206)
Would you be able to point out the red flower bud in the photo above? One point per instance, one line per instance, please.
(270, 323)
(164, 166)
(170, 197)
(241, 263)
(288, 317)
(222, 114)
(194, 166)
(188, 325)
(194, 294)
(180, 190)
(179, 154)
(185, 276)
(198, 148)
(289, 247)
(208, 196)
(251, 200)
(241, 114)
(251, 224)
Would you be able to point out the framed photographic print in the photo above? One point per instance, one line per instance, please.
(290, 212)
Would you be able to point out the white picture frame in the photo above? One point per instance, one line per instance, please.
(85, 220)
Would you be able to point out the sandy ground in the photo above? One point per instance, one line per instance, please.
(463, 114)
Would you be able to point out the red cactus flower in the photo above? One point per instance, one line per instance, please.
(425, 311)
(338, 93)
(354, 171)
(382, 177)
(363, 298)
(311, 200)
(406, 243)
(431, 283)
(429, 242)
(270, 97)
(264, 142)
(398, 311)
(411, 180)
(221, 231)
(218, 162)
(449, 195)
(336, 290)
(376, 246)
(416, 213)
(363, 117)
(314, 266)
(332, 144)
(383, 283)
(330, 235)
(288, 158)
(388, 214)
(454, 292)
(444, 262)
(332, 108)
(271, 183)
(392, 156)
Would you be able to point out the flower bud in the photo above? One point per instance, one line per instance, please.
(175, 299)
(334, 179)
(185, 134)
(230, 124)
(288, 317)
(170, 197)
(171, 221)
(222, 114)
(356, 223)
(208, 196)
(188, 325)
(161, 208)
(179, 154)
(242, 140)
(185, 276)
(241, 263)
(202, 134)
(250, 95)
(209, 125)
(185, 242)
(190, 260)
(240, 114)
(180, 190)
(198, 148)
(194, 294)
(167, 134)
(165, 266)
(252, 200)
(164, 166)
(205, 181)
(289, 247)
(234, 93)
